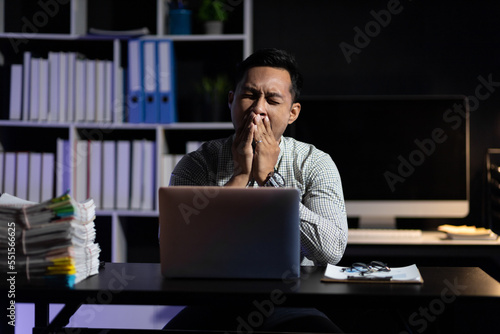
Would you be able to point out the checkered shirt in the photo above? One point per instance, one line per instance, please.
(322, 210)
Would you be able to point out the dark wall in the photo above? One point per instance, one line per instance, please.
(397, 47)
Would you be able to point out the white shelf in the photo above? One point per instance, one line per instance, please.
(124, 126)
(15, 132)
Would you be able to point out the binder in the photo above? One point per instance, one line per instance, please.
(63, 166)
(150, 81)
(137, 172)
(122, 174)
(100, 90)
(34, 90)
(26, 85)
(63, 87)
(70, 111)
(95, 172)
(54, 86)
(90, 90)
(80, 90)
(80, 164)
(108, 174)
(35, 177)
(166, 82)
(22, 175)
(149, 188)
(108, 96)
(16, 89)
(44, 90)
(9, 185)
(135, 93)
(47, 191)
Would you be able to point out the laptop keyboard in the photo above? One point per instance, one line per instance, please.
(367, 233)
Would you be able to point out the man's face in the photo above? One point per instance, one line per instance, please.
(265, 91)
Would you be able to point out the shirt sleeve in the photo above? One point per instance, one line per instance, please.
(322, 214)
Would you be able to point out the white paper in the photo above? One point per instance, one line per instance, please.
(408, 273)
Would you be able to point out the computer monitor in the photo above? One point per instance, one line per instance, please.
(398, 156)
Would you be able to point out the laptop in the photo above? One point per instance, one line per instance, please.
(222, 232)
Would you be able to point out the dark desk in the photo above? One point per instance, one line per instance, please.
(142, 284)
(428, 250)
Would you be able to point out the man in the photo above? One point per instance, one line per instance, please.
(263, 103)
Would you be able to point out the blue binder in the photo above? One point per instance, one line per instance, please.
(150, 81)
(135, 97)
(166, 82)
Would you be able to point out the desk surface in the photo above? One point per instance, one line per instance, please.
(142, 284)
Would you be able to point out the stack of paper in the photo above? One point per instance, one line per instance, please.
(464, 232)
(48, 243)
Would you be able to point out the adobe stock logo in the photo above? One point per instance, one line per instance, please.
(200, 201)
(373, 28)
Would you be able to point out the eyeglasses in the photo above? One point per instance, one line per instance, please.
(364, 269)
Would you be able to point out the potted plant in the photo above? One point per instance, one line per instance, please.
(213, 13)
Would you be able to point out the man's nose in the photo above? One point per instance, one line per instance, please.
(260, 106)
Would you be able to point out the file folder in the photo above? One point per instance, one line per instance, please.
(135, 93)
(166, 82)
(150, 81)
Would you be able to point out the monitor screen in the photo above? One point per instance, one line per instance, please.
(398, 156)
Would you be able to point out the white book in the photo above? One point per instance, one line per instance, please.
(16, 91)
(80, 88)
(47, 191)
(137, 173)
(122, 174)
(10, 173)
(34, 89)
(95, 172)
(80, 159)
(90, 91)
(70, 114)
(63, 86)
(108, 95)
(43, 109)
(118, 102)
(100, 90)
(26, 84)
(35, 177)
(22, 167)
(108, 174)
(63, 166)
(53, 86)
(149, 176)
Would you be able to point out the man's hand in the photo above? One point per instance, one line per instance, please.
(242, 151)
(255, 151)
(267, 149)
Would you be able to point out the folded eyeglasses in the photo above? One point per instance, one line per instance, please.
(365, 269)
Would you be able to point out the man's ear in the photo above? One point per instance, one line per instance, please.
(294, 112)
(230, 98)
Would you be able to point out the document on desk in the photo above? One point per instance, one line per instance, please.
(408, 274)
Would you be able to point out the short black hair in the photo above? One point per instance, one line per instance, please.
(272, 58)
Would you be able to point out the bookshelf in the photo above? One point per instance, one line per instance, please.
(124, 234)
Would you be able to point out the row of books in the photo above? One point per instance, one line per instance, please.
(48, 243)
(68, 87)
(28, 175)
(117, 174)
(64, 87)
